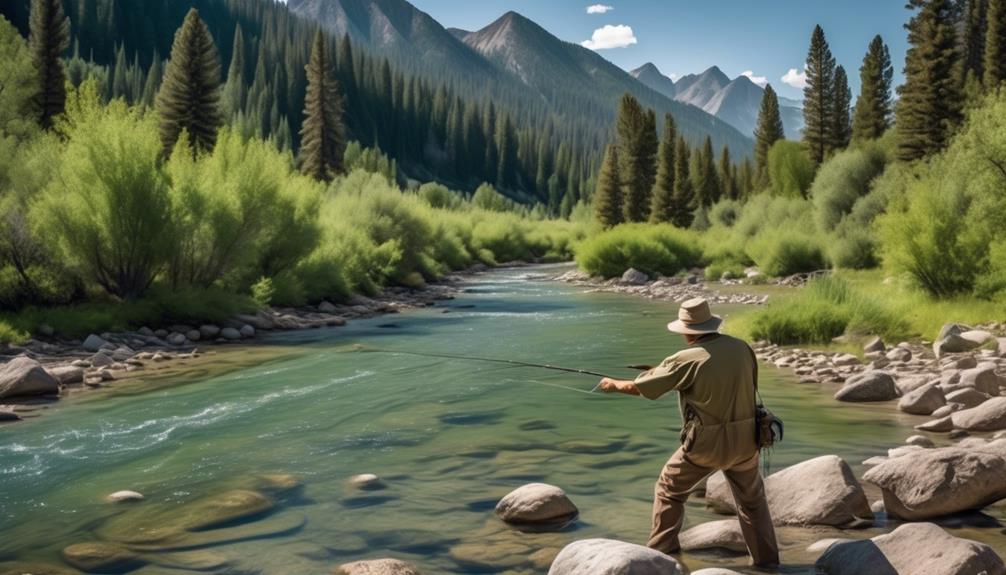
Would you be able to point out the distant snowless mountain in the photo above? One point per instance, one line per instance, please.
(736, 101)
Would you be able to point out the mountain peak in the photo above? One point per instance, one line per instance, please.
(651, 76)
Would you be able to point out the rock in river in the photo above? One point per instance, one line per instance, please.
(23, 376)
(610, 557)
(67, 374)
(922, 401)
(911, 548)
(819, 491)
(936, 482)
(377, 567)
(634, 277)
(536, 503)
(101, 557)
(124, 496)
(989, 416)
(868, 386)
(723, 534)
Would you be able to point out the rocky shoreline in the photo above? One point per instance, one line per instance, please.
(47, 367)
(673, 289)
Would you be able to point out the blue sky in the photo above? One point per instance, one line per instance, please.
(765, 37)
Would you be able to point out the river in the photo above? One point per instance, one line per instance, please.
(447, 437)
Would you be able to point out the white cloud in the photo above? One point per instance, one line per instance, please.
(599, 9)
(760, 80)
(795, 78)
(610, 36)
(674, 76)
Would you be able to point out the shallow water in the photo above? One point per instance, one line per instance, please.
(448, 437)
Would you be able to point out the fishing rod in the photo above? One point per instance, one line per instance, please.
(512, 362)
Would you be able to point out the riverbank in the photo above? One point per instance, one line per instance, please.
(673, 289)
(44, 369)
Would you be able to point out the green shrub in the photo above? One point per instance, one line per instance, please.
(10, 334)
(854, 248)
(842, 180)
(652, 249)
(725, 213)
(789, 169)
(798, 322)
(262, 292)
(784, 253)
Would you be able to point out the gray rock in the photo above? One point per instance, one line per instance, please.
(101, 359)
(819, 491)
(193, 335)
(912, 382)
(610, 557)
(846, 359)
(145, 331)
(874, 345)
(247, 331)
(67, 374)
(941, 425)
(124, 496)
(824, 544)
(209, 331)
(936, 482)
(983, 378)
(869, 386)
(536, 503)
(968, 397)
(23, 376)
(102, 557)
(923, 401)
(377, 567)
(911, 548)
(93, 343)
(8, 416)
(723, 534)
(122, 354)
(176, 338)
(978, 337)
(920, 440)
(899, 354)
(230, 333)
(326, 307)
(258, 321)
(634, 277)
(989, 416)
(950, 340)
(946, 410)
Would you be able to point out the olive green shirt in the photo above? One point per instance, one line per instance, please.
(716, 378)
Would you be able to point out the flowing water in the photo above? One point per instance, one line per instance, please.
(447, 437)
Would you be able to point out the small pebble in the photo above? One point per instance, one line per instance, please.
(124, 496)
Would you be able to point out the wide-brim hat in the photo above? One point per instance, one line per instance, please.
(695, 318)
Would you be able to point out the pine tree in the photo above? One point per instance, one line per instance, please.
(683, 204)
(745, 179)
(976, 25)
(768, 131)
(234, 90)
(323, 143)
(929, 107)
(873, 107)
(49, 37)
(726, 174)
(189, 98)
(818, 98)
(707, 184)
(841, 129)
(608, 197)
(663, 188)
(119, 81)
(637, 148)
(507, 150)
(995, 45)
(153, 82)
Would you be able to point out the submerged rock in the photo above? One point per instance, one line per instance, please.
(32, 568)
(610, 557)
(723, 534)
(101, 557)
(366, 481)
(911, 548)
(936, 482)
(377, 567)
(124, 496)
(536, 503)
(23, 376)
(820, 491)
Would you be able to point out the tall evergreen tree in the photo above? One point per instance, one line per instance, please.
(768, 131)
(153, 82)
(683, 204)
(841, 128)
(663, 188)
(873, 106)
(995, 45)
(234, 88)
(189, 98)
(819, 98)
(976, 24)
(608, 196)
(49, 37)
(506, 146)
(726, 173)
(707, 184)
(637, 148)
(323, 143)
(745, 179)
(929, 109)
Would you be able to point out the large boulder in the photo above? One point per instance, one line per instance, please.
(101, 557)
(536, 503)
(610, 557)
(988, 416)
(936, 482)
(634, 277)
(723, 534)
(67, 374)
(922, 401)
(377, 567)
(950, 340)
(968, 397)
(819, 491)
(23, 376)
(93, 343)
(983, 378)
(869, 386)
(911, 548)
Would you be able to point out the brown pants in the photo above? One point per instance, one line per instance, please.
(680, 475)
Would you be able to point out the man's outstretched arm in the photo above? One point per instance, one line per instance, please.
(610, 385)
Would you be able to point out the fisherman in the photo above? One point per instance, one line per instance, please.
(716, 377)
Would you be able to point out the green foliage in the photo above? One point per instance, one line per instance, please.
(323, 142)
(995, 45)
(819, 100)
(18, 85)
(662, 196)
(841, 125)
(842, 180)
(10, 334)
(873, 107)
(487, 198)
(790, 171)
(652, 249)
(608, 197)
(784, 253)
(189, 98)
(438, 196)
(768, 131)
(637, 150)
(49, 38)
(262, 292)
(370, 160)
